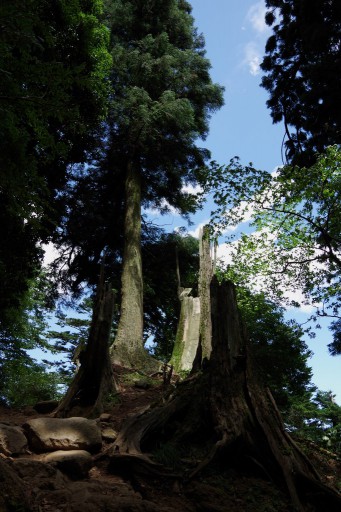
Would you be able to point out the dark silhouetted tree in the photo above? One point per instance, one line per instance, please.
(302, 69)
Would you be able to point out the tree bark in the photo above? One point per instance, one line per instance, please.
(187, 335)
(223, 412)
(205, 278)
(128, 348)
(193, 338)
(94, 381)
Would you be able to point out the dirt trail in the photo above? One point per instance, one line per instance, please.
(216, 490)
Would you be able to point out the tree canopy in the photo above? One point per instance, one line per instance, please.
(161, 104)
(296, 214)
(302, 74)
(53, 95)
(280, 351)
(162, 97)
(90, 138)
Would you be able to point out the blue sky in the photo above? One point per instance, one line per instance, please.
(235, 35)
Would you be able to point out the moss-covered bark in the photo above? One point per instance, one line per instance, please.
(187, 336)
(127, 349)
(205, 277)
(193, 338)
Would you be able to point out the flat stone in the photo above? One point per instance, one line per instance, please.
(105, 417)
(52, 434)
(109, 434)
(75, 463)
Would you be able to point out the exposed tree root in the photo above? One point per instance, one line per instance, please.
(222, 414)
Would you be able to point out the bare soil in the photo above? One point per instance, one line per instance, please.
(217, 489)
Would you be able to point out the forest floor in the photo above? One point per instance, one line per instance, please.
(215, 489)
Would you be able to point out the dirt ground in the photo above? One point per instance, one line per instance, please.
(216, 489)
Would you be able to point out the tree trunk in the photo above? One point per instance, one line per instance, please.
(205, 278)
(187, 336)
(128, 348)
(193, 338)
(94, 381)
(129, 338)
(222, 414)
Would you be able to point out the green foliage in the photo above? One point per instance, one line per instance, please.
(335, 346)
(28, 324)
(318, 419)
(161, 302)
(54, 60)
(53, 94)
(302, 74)
(280, 353)
(71, 338)
(296, 215)
(25, 382)
(163, 97)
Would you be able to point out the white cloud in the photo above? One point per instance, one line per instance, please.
(254, 50)
(256, 16)
(164, 204)
(298, 297)
(50, 254)
(195, 232)
(155, 212)
(225, 251)
(247, 209)
(190, 189)
(252, 58)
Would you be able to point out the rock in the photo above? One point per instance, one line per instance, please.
(105, 417)
(12, 440)
(52, 434)
(39, 475)
(13, 491)
(75, 463)
(142, 384)
(46, 406)
(109, 434)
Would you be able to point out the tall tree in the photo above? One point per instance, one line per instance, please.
(53, 94)
(162, 100)
(303, 74)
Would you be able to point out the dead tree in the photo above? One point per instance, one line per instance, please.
(94, 381)
(193, 337)
(205, 278)
(223, 411)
